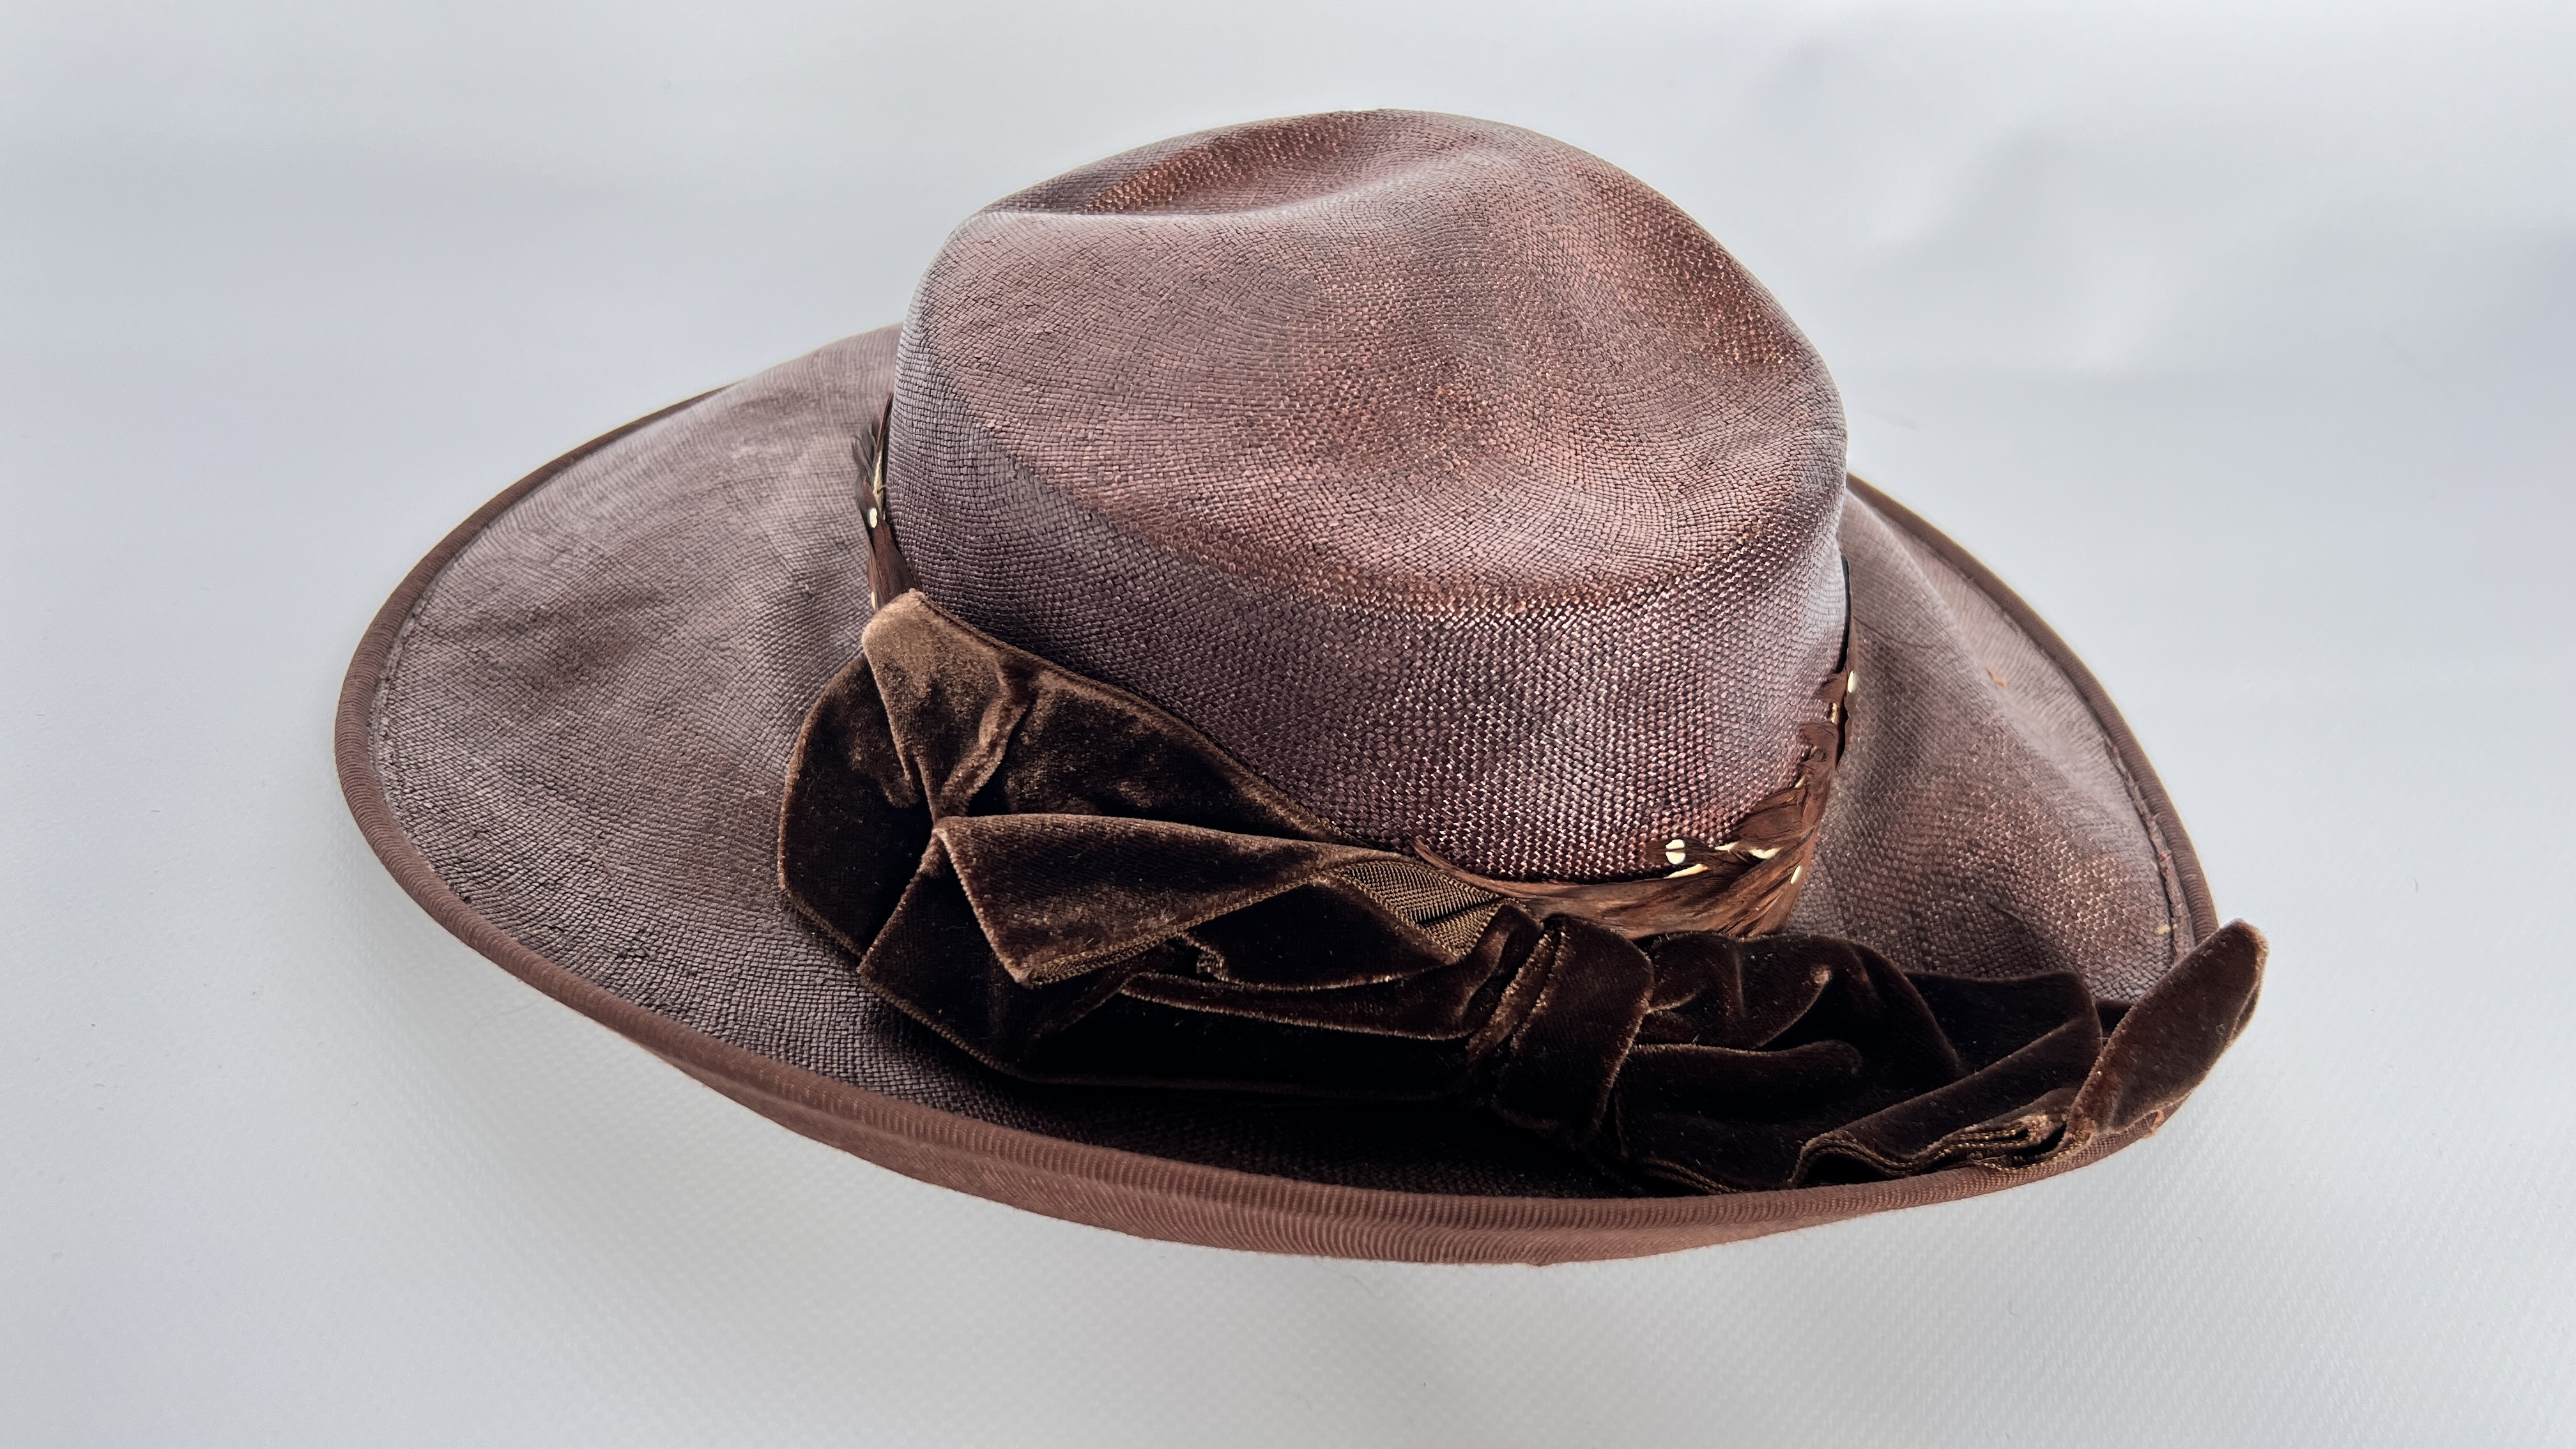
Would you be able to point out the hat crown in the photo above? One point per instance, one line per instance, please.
(1447, 476)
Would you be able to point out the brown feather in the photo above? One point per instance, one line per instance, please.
(889, 576)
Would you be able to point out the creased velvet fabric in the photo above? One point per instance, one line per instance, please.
(1073, 886)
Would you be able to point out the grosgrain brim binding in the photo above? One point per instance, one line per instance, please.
(1158, 1197)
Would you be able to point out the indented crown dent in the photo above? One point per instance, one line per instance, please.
(1445, 475)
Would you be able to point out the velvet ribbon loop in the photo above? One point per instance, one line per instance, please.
(1073, 886)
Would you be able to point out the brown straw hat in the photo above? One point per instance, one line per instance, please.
(1326, 691)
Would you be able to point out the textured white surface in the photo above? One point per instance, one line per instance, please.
(2235, 336)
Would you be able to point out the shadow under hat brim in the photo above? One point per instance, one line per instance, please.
(566, 732)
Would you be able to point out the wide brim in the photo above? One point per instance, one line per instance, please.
(487, 709)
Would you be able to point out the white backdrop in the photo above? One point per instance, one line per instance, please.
(2234, 335)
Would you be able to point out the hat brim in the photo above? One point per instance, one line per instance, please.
(566, 732)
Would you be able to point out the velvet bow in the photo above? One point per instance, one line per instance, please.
(1073, 886)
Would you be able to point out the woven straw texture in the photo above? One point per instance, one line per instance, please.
(1447, 476)
(585, 720)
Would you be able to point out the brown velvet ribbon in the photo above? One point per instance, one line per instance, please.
(1073, 886)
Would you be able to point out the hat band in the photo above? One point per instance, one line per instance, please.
(1073, 886)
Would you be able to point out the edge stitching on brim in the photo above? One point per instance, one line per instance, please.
(1138, 1193)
